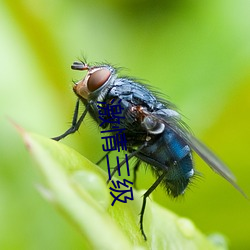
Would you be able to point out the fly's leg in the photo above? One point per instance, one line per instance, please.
(136, 167)
(75, 123)
(124, 161)
(103, 158)
(145, 196)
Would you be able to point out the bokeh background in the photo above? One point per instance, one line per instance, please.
(196, 52)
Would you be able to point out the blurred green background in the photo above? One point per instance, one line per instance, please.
(195, 52)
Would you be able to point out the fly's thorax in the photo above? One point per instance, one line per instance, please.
(94, 85)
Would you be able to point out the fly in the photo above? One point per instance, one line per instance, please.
(154, 131)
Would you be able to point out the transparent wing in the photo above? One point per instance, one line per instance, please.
(206, 154)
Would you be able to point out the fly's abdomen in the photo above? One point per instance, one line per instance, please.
(180, 166)
(178, 176)
(171, 155)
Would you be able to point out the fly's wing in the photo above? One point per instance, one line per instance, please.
(212, 160)
(175, 124)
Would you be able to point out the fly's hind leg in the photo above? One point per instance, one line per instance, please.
(145, 196)
(136, 167)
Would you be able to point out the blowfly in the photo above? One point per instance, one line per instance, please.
(154, 131)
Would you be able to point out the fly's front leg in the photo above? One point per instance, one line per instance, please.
(145, 196)
(75, 123)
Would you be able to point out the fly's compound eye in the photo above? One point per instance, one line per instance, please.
(97, 79)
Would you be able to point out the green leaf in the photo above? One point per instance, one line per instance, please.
(78, 189)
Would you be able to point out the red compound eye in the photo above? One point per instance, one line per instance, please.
(97, 79)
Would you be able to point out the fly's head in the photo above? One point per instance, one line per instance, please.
(96, 79)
